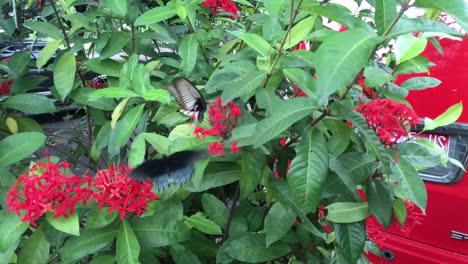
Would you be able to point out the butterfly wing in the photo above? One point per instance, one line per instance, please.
(188, 96)
(177, 168)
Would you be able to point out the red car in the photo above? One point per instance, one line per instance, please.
(443, 235)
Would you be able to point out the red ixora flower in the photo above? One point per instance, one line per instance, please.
(224, 119)
(5, 86)
(389, 119)
(115, 189)
(226, 5)
(46, 188)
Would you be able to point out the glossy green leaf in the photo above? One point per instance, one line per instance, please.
(252, 163)
(202, 224)
(127, 246)
(300, 31)
(376, 77)
(336, 12)
(254, 41)
(308, 170)
(111, 92)
(70, 225)
(19, 146)
(45, 28)
(26, 124)
(103, 259)
(155, 15)
(30, 103)
(448, 117)
(406, 26)
(408, 47)
(410, 182)
(123, 130)
(454, 8)
(141, 79)
(137, 153)
(380, 202)
(350, 239)
(46, 53)
(347, 212)
(64, 74)
(246, 86)
(188, 51)
(278, 222)
(353, 168)
(385, 13)
(159, 143)
(251, 248)
(183, 255)
(106, 67)
(341, 57)
(303, 80)
(286, 114)
(215, 209)
(117, 8)
(420, 83)
(415, 65)
(216, 175)
(399, 209)
(158, 95)
(165, 231)
(11, 228)
(98, 218)
(89, 241)
(117, 41)
(35, 249)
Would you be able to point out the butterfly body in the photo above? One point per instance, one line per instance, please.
(188, 96)
(177, 168)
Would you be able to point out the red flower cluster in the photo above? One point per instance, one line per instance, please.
(389, 119)
(115, 188)
(224, 119)
(226, 5)
(46, 188)
(5, 87)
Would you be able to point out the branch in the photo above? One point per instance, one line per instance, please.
(231, 213)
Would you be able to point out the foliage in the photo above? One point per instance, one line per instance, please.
(310, 158)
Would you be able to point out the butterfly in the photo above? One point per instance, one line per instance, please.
(177, 168)
(188, 96)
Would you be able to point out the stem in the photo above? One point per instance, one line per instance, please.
(404, 7)
(231, 213)
(133, 38)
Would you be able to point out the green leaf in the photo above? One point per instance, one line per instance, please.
(408, 47)
(406, 26)
(415, 65)
(106, 67)
(274, 8)
(246, 86)
(124, 128)
(350, 239)
(420, 83)
(347, 212)
(216, 210)
(30, 103)
(117, 41)
(380, 202)
(137, 153)
(280, 191)
(158, 95)
(455, 8)
(89, 241)
(341, 57)
(303, 80)
(336, 12)
(353, 168)
(103, 259)
(155, 15)
(411, 183)
(376, 77)
(159, 143)
(286, 114)
(183, 255)
(188, 51)
(202, 224)
(300, 31)
(308, 170)
(35, 249)
(278, 222)
(11, 228)
(111, 92)
(46, 53)
(251, 248)
(254, 41)
(19, 146)
(164, 232)
(216, 175)
(45, 28)
(117, 7)
(385, 13)
(64, 74)
(448, 117)
(98, 218)
(26, 124)
(399, 208)
(251, 171)
(70, 225)
(127, 246)
(8, 255)
(140, 79)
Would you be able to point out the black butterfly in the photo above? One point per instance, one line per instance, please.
(177, 168)
(188, 96)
